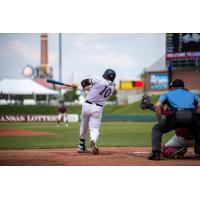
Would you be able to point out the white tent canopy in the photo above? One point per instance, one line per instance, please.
(24, 87)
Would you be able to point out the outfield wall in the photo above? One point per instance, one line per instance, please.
(133, 118)
(74, 118)
(36, 118)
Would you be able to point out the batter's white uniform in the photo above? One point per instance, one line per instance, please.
(92, 108)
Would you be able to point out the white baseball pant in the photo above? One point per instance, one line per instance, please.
(178, 141)
(90, 118)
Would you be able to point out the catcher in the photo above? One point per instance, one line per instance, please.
(176, 147)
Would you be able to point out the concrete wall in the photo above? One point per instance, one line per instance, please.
(128, 96)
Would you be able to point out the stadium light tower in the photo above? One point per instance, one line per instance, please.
(60, 57)
(169, 70)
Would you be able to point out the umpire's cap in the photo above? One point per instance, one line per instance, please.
(177, 83)
(109, 74)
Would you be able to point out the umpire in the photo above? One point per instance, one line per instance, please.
(182, 103)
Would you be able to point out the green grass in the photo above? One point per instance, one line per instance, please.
(52, 110)
(133, 108)
(112, 134)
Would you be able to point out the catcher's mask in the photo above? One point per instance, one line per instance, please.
(109, 74)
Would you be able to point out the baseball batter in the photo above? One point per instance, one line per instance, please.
(101, 88)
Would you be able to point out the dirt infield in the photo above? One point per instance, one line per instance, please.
(114, 156)
(17, 132)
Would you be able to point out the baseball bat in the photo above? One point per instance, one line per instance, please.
(60, 83)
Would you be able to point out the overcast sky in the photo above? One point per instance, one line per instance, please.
(84, 55)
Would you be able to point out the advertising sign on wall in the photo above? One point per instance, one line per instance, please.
(159, 81)
(131, 85)
(36, 118)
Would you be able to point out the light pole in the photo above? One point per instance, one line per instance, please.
(60, 59)
(169, 73)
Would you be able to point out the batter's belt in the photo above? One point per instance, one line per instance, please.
(93, 103)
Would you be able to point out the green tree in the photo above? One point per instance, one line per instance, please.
(114, 96)
(71, 95)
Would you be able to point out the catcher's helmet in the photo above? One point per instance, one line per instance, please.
(177, 83)
(109, 74)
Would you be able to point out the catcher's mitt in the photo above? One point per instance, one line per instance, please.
(145, 102)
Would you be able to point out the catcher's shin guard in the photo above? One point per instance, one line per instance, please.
(179, 153)
(168, 151)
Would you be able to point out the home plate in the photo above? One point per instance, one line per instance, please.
(142, 154)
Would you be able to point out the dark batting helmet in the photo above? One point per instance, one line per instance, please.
(109, 74)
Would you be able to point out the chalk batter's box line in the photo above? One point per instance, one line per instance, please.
(82, 154)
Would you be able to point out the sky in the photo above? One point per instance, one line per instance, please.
(84, 55)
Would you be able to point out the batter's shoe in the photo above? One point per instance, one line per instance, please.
(81, 147)
(155, 155)
(179, 153)
(95, 150)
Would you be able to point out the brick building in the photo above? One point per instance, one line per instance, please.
(191, 77)
(156, 77)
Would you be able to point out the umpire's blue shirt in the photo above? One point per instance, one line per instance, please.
(179, 98)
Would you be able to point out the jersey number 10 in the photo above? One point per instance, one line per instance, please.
(105, 92)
